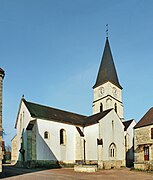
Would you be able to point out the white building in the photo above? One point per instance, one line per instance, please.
(49, 136)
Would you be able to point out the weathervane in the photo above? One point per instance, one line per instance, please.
(106, 30)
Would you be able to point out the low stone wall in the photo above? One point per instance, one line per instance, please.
(92, 162)
(146, 166)
(38, 163)
(58, 164)
(106, 164)
(109, 164)
(85, 168)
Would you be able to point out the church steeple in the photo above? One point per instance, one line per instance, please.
(107, 89)
(107, 71)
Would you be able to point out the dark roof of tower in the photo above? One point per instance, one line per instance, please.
(107, 71)
(146, 120)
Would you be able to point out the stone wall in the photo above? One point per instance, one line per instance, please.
(147, 166)
(107, 164)
(142, 138)
(58, 164)
(14, 153)
(38, 163)
(31, 144)
(143, 135)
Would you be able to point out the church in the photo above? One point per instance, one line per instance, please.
(46, 136)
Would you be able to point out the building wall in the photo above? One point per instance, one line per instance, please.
(14, 153)
(111, 130)
(31, 143)
(108, 98)
(23, 120)
(129, 144)
(51, 149)
(91, 135)
(142, 138)
(79, 146)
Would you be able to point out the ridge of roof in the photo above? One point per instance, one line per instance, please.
(107, 71)
(146, 120)
(53, 114)
(61, 116)
(93, 119)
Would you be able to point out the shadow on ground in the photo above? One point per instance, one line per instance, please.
(12, 170)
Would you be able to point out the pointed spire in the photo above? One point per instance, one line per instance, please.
(107, 71)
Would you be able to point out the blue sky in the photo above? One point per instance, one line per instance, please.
(51, 51)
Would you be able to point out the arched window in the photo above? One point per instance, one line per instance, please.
(112, 150)
(46, 135)
(62, 136)
(101, 107)
(115, 106)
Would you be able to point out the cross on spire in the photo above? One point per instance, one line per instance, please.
(106, 30)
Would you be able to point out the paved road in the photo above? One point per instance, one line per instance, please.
(68, 174)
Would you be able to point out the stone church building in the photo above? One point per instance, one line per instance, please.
(48, 136)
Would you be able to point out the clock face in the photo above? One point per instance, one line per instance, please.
(114, 91)
(101, 91)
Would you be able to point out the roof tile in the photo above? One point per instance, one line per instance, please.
(52, 114)
(146, 120)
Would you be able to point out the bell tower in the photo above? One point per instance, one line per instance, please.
(107, 89)
(2, 74)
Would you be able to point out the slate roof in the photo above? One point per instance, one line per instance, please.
(107, 71)
(146, 120)
(127, 124)
(52, 114)
(93, 119)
